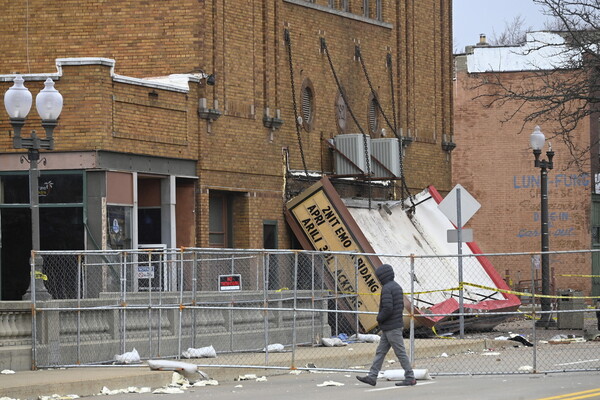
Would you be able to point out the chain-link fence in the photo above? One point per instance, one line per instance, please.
(273, 309)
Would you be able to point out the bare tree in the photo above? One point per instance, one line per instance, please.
(567, 94)
(513, 34)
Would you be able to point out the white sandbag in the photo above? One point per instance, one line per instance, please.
(368, 338)
(202, 352)
(170, 365)
(398, 374)
(274, 348)
(332, 342)
(129, 357)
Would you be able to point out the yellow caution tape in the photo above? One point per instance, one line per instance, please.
(580, 276)
(39, 275)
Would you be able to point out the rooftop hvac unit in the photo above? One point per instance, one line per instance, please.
(350, 159)
(386, 151)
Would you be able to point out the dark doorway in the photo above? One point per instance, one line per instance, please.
(15, 254)
(149, 226)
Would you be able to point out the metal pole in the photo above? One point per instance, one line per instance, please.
(33, 155)
(412, 309)
(545, 301)
(461, 305)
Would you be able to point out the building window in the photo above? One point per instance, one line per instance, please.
(373, 115)
(366, 6)
(220, 219)
(308, 105)
(379, 11)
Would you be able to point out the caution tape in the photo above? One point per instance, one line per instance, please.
(39, 275)
(534, 295)
(580, 276)
(493, 289)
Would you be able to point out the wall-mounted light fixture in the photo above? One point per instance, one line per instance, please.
(209, 114)
(273, 123)
(448, 146)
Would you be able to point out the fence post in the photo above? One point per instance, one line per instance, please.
(265, 259)
(412, 305)
(194, 294)
(34, 360)
(533, 318)
(123, 312)
(78, 308)
(181, 306)
(294, 337)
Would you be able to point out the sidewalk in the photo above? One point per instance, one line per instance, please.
(88, 381)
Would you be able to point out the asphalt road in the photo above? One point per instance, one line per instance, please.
(564, 386)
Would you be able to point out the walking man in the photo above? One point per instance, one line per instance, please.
(390, 321)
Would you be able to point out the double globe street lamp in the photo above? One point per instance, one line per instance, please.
(537, 141)
(49, 103)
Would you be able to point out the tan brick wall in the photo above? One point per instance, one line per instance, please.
(494, 162)
(242, 43)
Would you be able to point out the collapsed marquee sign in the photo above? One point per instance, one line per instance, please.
(322, 221)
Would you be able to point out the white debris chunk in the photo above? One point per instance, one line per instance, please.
(7, 398)
(274, 348)
(7, 372)
(490, 353)
(527, 368)
(332, 342)
(330, 383)
(202, 352)
(246, 377)
(129, 357)
(177, 380)
(107, 391)
(168, 390)
(444, 355)
(239, 386)
(261, 379)
(58, 396)
(292, 372)
(210, 382)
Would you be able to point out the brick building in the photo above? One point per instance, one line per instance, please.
(494, 161)
(170, 132)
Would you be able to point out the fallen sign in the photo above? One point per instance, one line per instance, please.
(386, 233)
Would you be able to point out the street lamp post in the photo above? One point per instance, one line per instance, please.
(537, 141)
(49, 102)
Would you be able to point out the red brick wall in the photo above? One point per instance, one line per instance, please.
(494, 162)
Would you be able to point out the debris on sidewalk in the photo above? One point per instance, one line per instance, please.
(566, 339)
(246, 377)
(128, 357)
(202, 352)
(58, 397)
(130, 389)
(274, 348)
(332, 342)
(168, 390)
(7, 372)
(366, 338)
(330, 383)
(526, 368)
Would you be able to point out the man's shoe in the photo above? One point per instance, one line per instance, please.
(367, 379)
(407, 382)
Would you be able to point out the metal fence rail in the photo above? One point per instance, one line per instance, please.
(272, 309)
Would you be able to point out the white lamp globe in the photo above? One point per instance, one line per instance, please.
(49, 102)
(537, 139)
(17, 99)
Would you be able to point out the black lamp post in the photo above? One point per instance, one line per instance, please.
(49, 102)
(537, 140)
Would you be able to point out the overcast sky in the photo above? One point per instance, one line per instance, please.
(473, 17)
